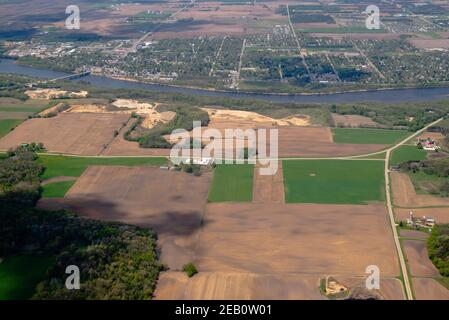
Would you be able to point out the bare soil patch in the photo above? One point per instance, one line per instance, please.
(418, 259)
(429, 289)
(80, 134)
(404, 194)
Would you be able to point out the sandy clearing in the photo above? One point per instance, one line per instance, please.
(54, 94)
(277, 238)
(169, 202)
(441, 215)
(418, 259)
(429, 289)
(80, 134)
(404, 194)
(217, 116)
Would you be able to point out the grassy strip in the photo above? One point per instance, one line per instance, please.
(57, 166)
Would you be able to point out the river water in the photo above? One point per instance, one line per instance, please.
(387, 96)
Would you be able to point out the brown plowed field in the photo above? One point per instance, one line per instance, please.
(404, 194)
(250, 286)
(276, 238)
(418, 259)
(441, 215)
(429, 289)
(170, 202)
(269, 188)
(81, 134)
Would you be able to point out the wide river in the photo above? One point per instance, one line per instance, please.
(393, 95)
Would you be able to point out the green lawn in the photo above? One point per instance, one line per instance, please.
(7, 124)
(407, 153)
(19, 275)
(333, 181)
(232, 183)
(368, 136)
(56, 189)
(57, 166)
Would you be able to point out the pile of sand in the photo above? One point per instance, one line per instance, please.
(237, 115)
(54, 94)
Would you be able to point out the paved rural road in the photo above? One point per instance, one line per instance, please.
(408, 289)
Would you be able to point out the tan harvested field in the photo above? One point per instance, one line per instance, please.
(418, 259)
(430, 43)
(269, 188)
(353, 121)
(429, 289)
(251, 286)
(121, 147)
(413, 234)
(169, 202)
(441, 215)
(404, 194)
(80, 134)
(317, 142)
(277, 238)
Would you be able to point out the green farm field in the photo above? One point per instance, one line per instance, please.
(19, 275)
(407, 153)
(333, 181)
(232, 183)
(368, 136)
